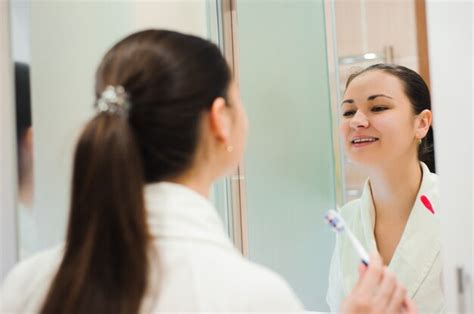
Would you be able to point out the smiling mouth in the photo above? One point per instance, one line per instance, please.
(364, 140)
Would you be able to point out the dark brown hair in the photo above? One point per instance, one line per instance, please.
(23, 111)
(418, 93)
(170, 79)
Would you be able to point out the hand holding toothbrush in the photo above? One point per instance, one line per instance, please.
(377, 291)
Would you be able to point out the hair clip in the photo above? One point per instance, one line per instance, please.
(113, 100)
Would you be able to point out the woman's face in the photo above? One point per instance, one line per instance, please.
(377, 120)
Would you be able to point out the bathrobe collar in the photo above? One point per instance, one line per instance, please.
(420, 241)
(179, 213)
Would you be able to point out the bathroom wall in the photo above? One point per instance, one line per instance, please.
(451, 47)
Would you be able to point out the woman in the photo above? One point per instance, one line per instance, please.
(142, 235)
(28, 233)
(386, 128)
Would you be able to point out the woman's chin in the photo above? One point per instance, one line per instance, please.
(365, 161)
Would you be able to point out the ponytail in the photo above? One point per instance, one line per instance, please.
(105, 267)
(164, 81)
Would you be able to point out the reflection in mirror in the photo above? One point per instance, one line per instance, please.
(27, 224)
(385, 126)
(26, 213)
(371, 32)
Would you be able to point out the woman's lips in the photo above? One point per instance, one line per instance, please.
(363, 141)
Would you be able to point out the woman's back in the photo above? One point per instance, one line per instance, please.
(198, 268)
(193, 264)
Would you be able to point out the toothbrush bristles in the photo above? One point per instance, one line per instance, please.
(332, 218)
(337, 224)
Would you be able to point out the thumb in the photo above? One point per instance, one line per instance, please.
(362, 269)
(409, 306)
(374, 257)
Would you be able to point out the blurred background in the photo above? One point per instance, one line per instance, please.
(291, 60)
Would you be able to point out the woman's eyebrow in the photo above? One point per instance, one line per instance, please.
(349, 101)
(372, 97)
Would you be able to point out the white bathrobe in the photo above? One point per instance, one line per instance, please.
(416, 261)
(197, 269)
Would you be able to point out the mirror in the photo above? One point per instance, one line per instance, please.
(293, 61)
(385, 130)
(293, 64)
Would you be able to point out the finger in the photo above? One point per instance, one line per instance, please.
(397, 301)
(371, 279)
(409, 306)
(387, 287)
(362, 269)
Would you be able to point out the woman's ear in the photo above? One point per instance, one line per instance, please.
(423, 123)
(219, 120)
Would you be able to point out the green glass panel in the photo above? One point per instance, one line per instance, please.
(289, 159)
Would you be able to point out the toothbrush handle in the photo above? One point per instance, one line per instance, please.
(359, 248)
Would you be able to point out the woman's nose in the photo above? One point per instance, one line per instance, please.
(359, 120)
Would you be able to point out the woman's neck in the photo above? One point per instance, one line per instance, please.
(394, 189)
(195, 179)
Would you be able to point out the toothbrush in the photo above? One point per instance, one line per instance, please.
(334, 219)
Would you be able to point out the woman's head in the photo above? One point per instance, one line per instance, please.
(386, 116)
(172, 81)
(183, 113)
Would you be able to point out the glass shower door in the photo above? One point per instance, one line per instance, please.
(289, 165)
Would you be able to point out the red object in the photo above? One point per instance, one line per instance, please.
(427, 203)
